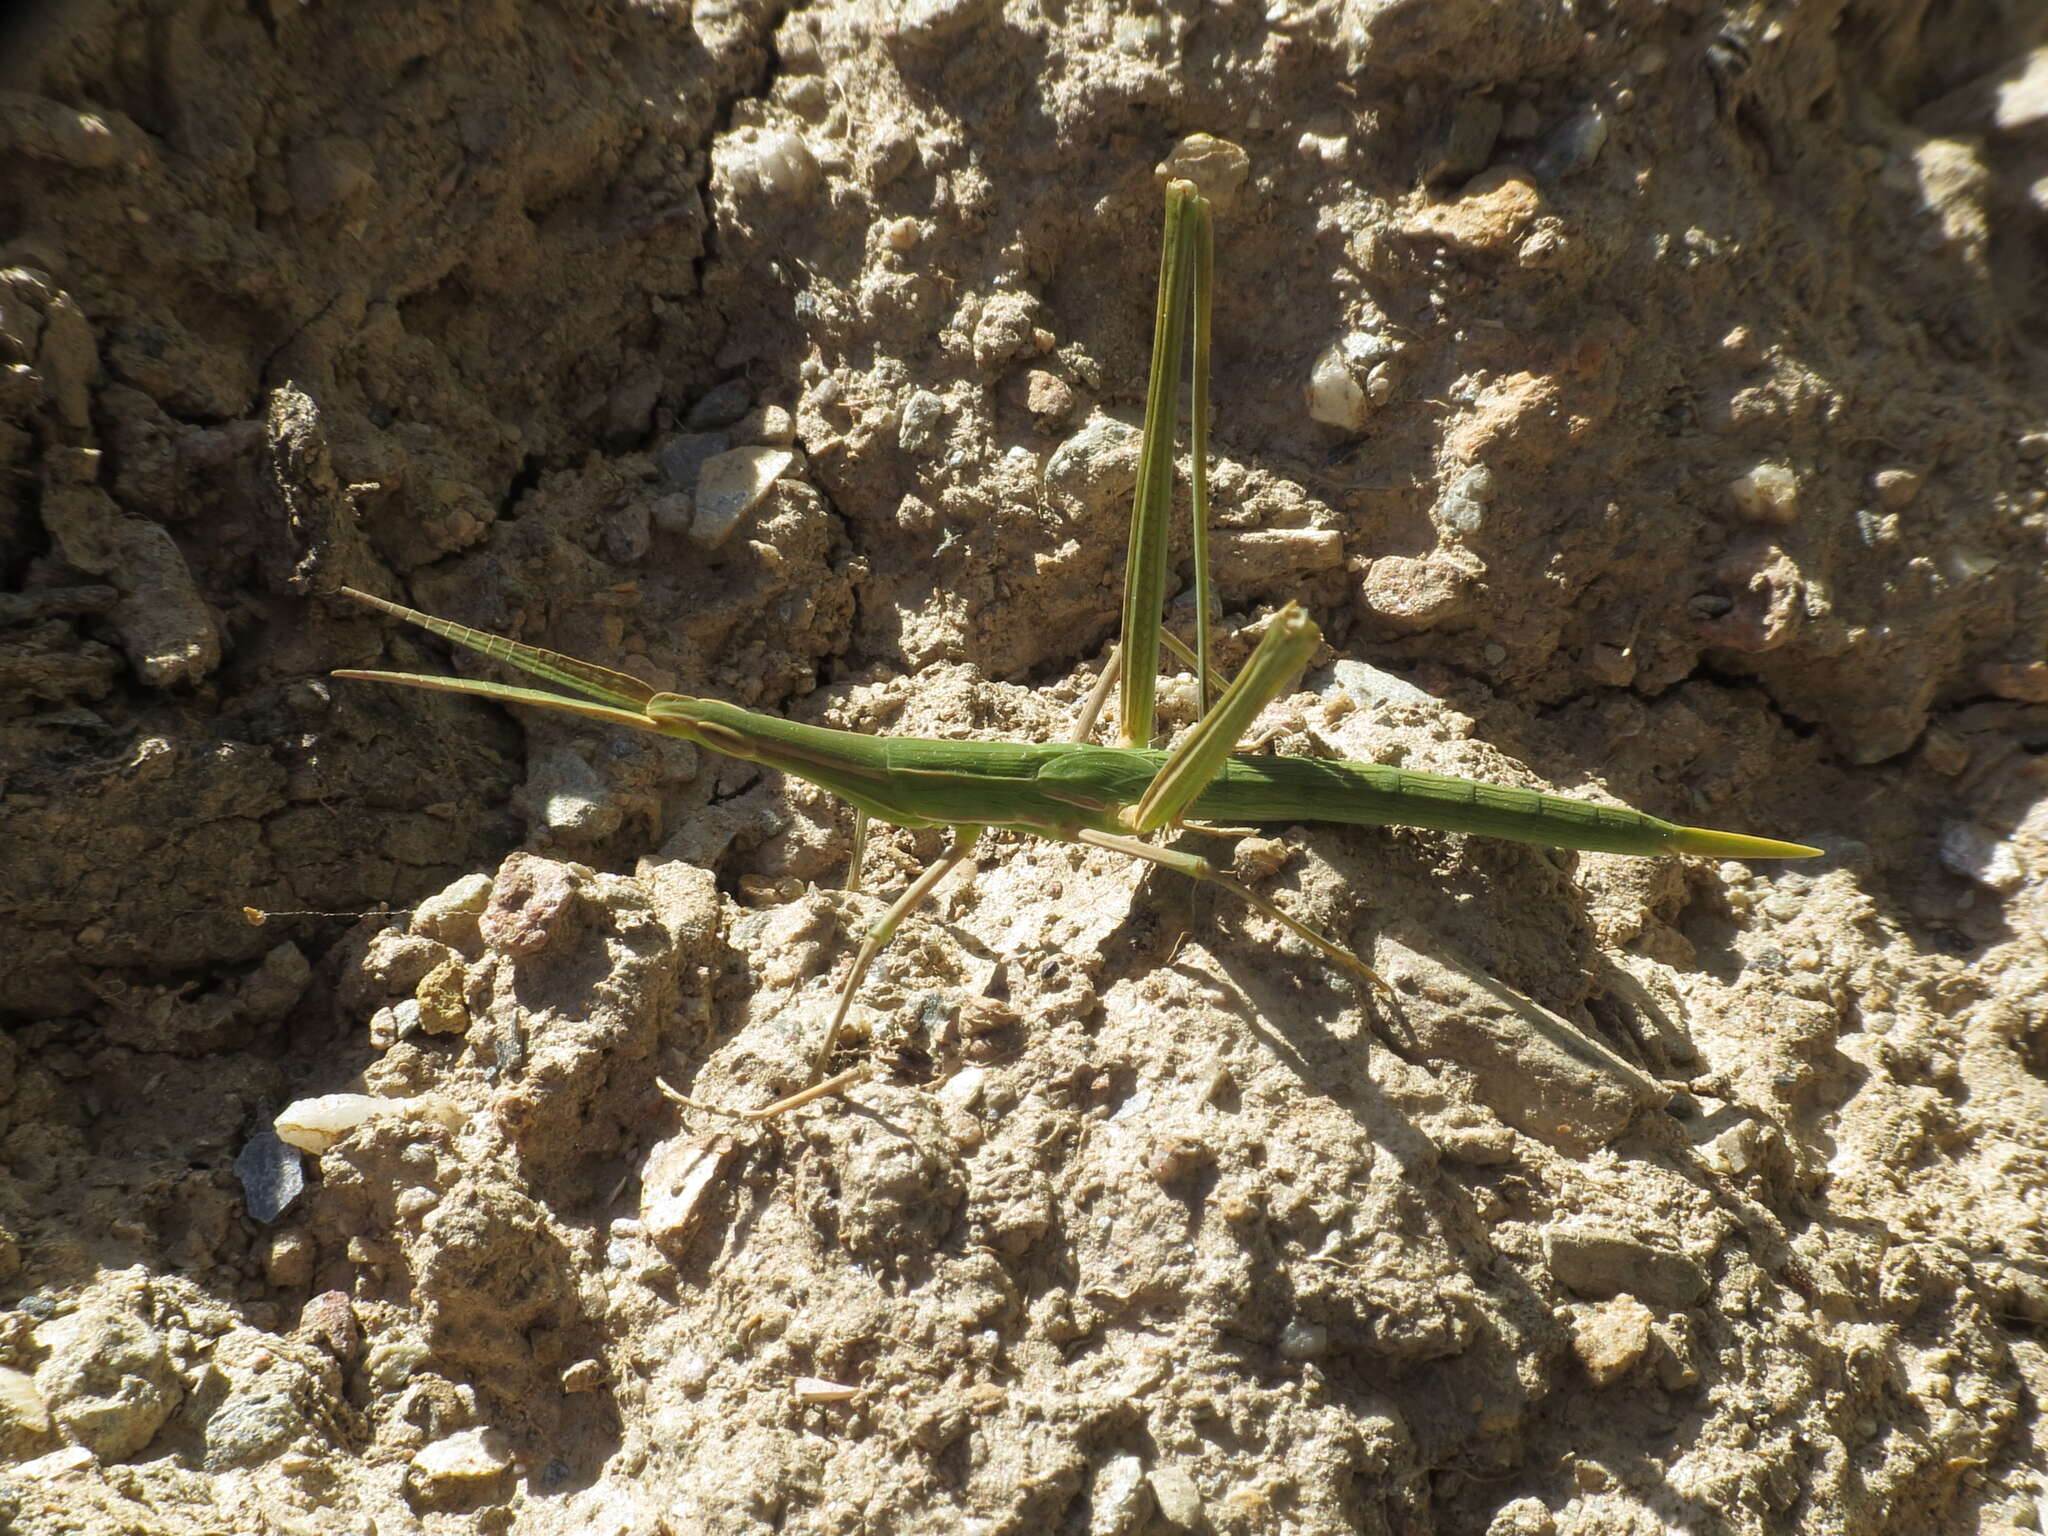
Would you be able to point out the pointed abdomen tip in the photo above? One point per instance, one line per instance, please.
(1738, 845)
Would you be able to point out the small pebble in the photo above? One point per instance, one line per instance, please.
(931, 21)
(924, 413)
(1417, 593)
(1257, 558)
(329, 1319)
(415, 1201)
(1611, 1337)
(1575, 145)
(1005, 327)
(1176, 1155)
(390, 1025)
(449, 916)
(440, 998)
(1490, 213)
(1462, 506)
(815, 1389)
(772, 161)
(58, 1464)
(456, 1463)
(374, 1252)
(1096, 466)
(1217, 1081)
(572, 799)
(730, 486)
(681, 456)
(1119, 1498)
(1322, 149)
(288, 1262)
(770, 425)
(673, 513)
(1979, 854)
(391, 1363)
(676, 1188)
(1735, 1151)
(1216, 166)
(1769, 493)
(314, 1125)
(1468, 143)
(1179, 1500)
(1366, 685)
(1897, 487)
(49, 130)
(1303, 1340)
(271, 1174)
(720, 406)
(1047, 395)
(1333, 396)
(628, 532)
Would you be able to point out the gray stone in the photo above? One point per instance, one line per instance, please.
(271, 1174)
(681, 457)
(721, 406)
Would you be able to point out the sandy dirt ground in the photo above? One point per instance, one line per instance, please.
(1646, 398)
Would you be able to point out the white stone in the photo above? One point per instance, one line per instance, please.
(1979, 854)
(313, 1125)
(1334, 396)
(815, 1389)
(732, 484)
(465, 1456)
(773, 160)
(676, 1185)
(1769, 493)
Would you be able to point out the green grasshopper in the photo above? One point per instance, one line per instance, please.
(1075, 792)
